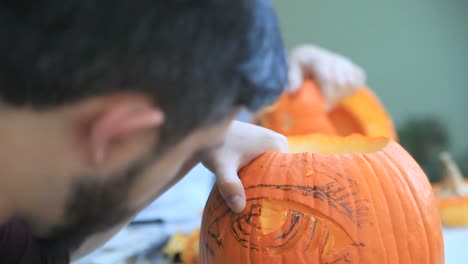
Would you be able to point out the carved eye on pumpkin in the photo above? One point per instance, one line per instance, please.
(274, 227)
(348, 200)
(279, 226)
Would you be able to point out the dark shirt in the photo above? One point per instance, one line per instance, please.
(18, 246)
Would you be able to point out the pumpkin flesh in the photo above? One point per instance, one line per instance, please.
(362, 113)
(324, 144)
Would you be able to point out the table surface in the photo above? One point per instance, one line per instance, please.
(144, 242)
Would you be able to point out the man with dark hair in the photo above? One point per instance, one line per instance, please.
(106, 104)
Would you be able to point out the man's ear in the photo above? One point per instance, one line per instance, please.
(120, 122)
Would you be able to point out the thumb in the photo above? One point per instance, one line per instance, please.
(231, 188)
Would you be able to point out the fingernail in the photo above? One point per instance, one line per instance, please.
(237, 203)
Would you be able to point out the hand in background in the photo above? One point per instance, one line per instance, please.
(336, 75)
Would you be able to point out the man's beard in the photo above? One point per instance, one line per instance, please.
(93, 206)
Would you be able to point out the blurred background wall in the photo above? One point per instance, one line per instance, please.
(415, 54)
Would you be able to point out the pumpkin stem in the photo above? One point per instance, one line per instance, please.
(452, 181)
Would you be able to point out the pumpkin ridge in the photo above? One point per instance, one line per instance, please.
(436, 217)
(396, 183)
(405, 183)
(385, 199)
(427, 250)
(354, 200)
(215, 236)
(369, 194)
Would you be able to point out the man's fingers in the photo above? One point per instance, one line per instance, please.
(232, 190)
(244, 143)
(279, 142)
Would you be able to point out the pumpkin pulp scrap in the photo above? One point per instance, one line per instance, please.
(452, 194)
(452, 183)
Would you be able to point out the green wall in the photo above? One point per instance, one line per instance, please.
(415, 52)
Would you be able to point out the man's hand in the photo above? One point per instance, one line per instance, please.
(244, 142)
(336, 75)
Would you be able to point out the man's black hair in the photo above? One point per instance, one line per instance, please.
(197, 59)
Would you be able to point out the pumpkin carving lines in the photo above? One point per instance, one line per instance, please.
(336, 197)
(248, 225)
(250, 221)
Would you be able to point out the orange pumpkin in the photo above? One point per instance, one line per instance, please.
(348, 200)
(300, 113)
(304, 112)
